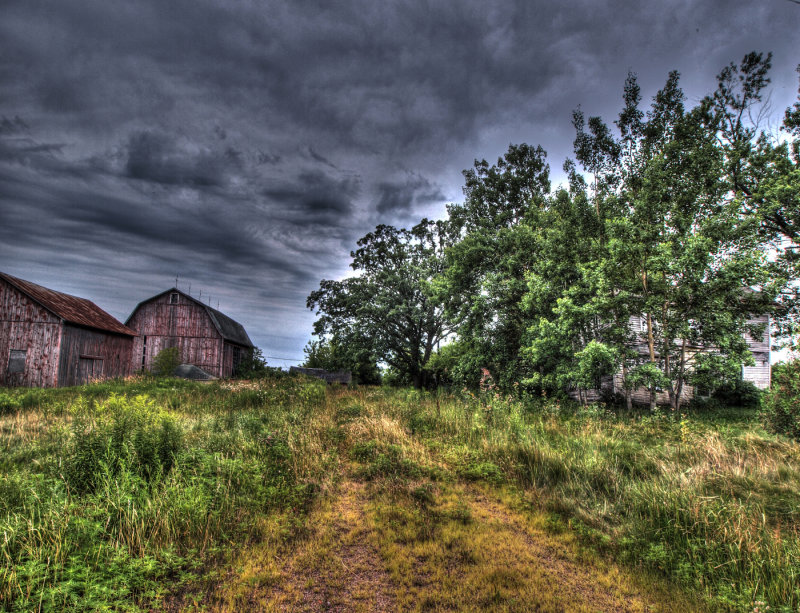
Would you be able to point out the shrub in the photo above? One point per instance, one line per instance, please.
(739, 394)
(252, 366)
(8, 403)
(166, 361)
(120, 434)
(781, 407)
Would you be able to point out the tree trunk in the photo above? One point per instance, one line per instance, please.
(681, 370)
(628, 399)
(672, 404)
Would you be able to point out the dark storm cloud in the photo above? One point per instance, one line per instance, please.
(246, 146)
(400, 198)
(154, 157)
(315, 195)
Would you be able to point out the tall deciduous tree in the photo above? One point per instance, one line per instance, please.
(389, 308)
(672, 223)
(762, 169)
(485, 275)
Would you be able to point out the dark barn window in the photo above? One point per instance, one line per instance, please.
(16, 361)
(173, 298)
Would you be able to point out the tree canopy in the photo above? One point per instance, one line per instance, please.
(677, 224)
(389, 308)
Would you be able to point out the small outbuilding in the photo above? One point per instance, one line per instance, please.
(51, 339)
(342, 377)
(204, 336)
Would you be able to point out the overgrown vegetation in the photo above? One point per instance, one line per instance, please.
(167, 360)
(781, 412)
(653, 246)
(129, 495)
(111, 494)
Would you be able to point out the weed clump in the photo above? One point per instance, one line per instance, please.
(9, 403)
(120, 434)
(781, 409)
(380, 460)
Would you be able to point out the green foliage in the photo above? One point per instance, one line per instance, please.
(120, 434)
(781, 404)
(389, 312)
(669, 229)
(593, 362)
(353, 356)
(166, 361)
(502, 238)
(739, 394)
(253, 365)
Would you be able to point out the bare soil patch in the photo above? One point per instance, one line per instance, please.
(337, 568)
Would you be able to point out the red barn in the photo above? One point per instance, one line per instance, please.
(50, 339)
(204, 336)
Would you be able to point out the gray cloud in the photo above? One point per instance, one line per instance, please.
(398, 198)
(246, 146)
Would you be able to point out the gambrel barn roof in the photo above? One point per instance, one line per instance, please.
(70, 309)
(230, 329)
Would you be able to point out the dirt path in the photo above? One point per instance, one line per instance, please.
(337, 568)
(499, 559)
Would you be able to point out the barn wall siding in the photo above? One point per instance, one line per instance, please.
(25, 325)
(91, 354)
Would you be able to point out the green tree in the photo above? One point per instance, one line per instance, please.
(485, 277)
(389, 308)
(685, 247)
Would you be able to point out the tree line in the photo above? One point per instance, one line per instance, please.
(678, 223)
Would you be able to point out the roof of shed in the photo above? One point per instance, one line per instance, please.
(71, 309)
(230, 329)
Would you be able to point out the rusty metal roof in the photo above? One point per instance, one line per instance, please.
(74, 310)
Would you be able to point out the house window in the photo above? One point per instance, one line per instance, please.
(16, 361)
(173, 298)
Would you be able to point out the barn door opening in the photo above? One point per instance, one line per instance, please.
(90, 368)
(237, 360)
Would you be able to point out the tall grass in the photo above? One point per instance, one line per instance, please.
(713, 502)
(110, 493)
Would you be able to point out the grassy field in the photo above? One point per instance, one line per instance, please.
(286, 495)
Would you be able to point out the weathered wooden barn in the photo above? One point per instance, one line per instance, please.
(204, 337)
(50, 339)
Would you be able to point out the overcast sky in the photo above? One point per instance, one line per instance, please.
(245, 146)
